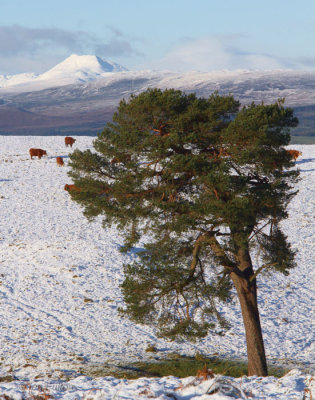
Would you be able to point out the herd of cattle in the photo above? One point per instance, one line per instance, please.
(69, 141)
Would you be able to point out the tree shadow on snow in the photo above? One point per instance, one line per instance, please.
(133, 250)
(54, 157)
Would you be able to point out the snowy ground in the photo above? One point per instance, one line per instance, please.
(59, 289)
(293, 386)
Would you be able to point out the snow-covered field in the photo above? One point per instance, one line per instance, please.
(59, 293)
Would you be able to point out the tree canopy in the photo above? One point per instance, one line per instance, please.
(204, 184)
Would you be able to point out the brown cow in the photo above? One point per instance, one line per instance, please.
(38, 153)
(294, 153)
(59, 161)
(69, 141)
(68, 188)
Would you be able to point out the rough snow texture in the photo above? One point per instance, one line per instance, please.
(60, 277)
(293, 386)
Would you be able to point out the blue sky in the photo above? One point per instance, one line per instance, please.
(177, 35)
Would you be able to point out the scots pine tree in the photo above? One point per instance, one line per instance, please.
(204, 183)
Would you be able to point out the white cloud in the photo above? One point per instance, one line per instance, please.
(214, 53)
(25, 49)
(16, 64)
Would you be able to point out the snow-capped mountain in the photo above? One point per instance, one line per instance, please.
(80, 69)
(79, 95)
(74, 69)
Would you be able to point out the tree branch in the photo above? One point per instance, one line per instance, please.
(221, 255)
(257, 231)
(260, 269)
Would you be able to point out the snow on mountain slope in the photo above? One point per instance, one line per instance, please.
(12, 80)
(90, 75)
(80, 69)
(73, 69)
(60, 277)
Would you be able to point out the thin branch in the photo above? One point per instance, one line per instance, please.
(259, 230)
(260, 269)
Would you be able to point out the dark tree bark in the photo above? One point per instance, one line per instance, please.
(246, 288)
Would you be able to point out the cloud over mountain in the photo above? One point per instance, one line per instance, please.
(215, 53)
(37, 49)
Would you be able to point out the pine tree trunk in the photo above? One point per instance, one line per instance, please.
(247, 294)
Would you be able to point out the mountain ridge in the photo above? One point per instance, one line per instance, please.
(86, 104)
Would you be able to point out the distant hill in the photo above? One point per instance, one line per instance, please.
(79, 95)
